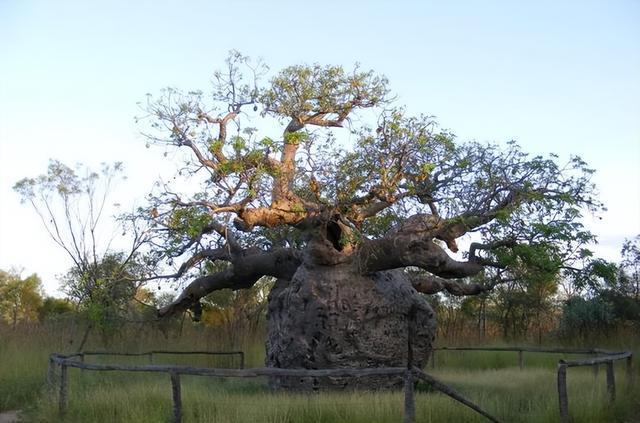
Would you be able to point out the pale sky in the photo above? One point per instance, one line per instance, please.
(557, 76)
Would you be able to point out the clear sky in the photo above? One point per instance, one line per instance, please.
(557, 76)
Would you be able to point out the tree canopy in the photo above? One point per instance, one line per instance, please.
(20, 298)
(318, 161)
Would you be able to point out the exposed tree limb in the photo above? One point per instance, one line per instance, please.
(209, 254)
(431, 284)
(489, 246)
(245, 270)
(413, 246)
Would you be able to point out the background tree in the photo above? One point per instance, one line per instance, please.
(609, 295)
(20, 299)
(55, 308)
(629, 277)
(72, 206)
(335, 216)
(238, 313)
(109, 293)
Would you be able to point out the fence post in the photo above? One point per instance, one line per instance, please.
(177, 399)
(62, 399)
(82, 361)
(151, 357)
(242, 359)
(611, 381)
(630, 370)
(520, 359)
(563, 400)
(51, 375)
(409, 398)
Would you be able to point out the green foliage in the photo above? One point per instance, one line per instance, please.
(302, 89)
(629, 276)
(296, 137)
(612, 294)
(237, 312)
(189, 221)
(380, 224)
(627, 308)
(71, 203)
(583, 317)
(54, 308)
(63, 181)
(20, 299)
(105, 292)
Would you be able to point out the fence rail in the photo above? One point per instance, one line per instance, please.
(607, 357)
(522, 350)
(410, 374)
(150, 354)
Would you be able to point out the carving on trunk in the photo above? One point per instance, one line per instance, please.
(332, 316)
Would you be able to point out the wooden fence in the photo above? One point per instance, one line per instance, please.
(563, 399)
(409, 373)
(150, 354)
(607, 357)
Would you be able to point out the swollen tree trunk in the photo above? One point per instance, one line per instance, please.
(333, 316)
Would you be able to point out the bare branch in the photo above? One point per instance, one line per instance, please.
(431, 284)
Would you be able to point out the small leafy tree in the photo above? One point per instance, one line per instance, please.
(106, 293)
(629, 278)
(20, 299)
(610, 294)
(584, 318)
(54, 308)
(72, 204)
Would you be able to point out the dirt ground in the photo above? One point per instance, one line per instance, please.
(10, 416)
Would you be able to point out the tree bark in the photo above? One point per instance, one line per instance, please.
(334, 317)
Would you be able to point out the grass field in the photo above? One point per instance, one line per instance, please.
(492, 380)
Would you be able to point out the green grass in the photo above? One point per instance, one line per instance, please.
(23, 363)
(491, 380)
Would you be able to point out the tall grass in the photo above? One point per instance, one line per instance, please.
(492, 380)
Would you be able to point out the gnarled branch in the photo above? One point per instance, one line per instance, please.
(245, 270)
(431, 284)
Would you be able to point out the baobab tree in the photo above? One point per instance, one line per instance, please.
(356, 209)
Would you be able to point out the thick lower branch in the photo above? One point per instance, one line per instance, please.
(386, 254)
(245, 270)
(412, 245)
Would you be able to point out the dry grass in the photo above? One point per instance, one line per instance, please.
(490, 379)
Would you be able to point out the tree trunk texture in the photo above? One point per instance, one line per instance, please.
(335, 317)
